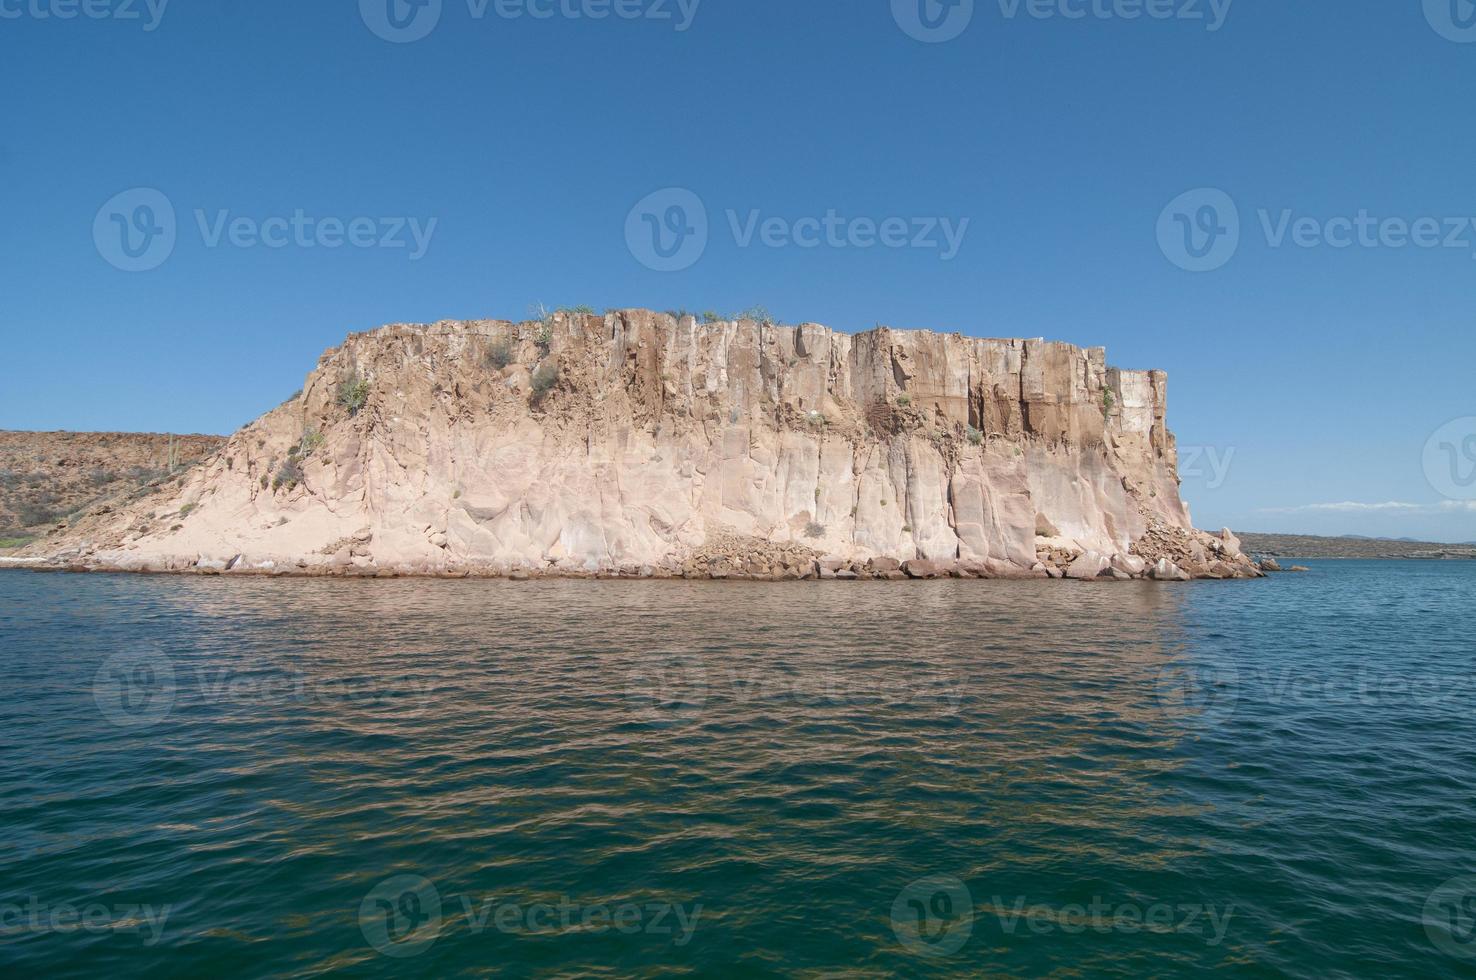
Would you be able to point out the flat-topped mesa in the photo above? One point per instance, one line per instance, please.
(640, 443)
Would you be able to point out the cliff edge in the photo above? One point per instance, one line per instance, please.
(640, 444)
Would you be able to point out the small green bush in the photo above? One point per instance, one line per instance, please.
(814, 529)
(289, 476)
(1106, 401)
(544, 340)
(353, 393)
(311, 442)
(975, 436)
(544, 380)
(499, 355)
(711, 316)
(757, 314)
(186, 509)
(904, 400)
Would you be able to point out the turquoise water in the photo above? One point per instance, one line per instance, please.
(209, 777)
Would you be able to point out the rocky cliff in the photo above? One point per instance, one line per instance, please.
(637, 443)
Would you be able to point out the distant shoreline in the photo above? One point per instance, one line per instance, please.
(1314, 546)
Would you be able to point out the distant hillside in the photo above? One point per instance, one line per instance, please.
(45, 476)
(1312, 546)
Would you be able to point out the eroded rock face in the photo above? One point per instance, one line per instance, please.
(635, 443)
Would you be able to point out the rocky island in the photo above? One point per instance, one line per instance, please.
(644, 444)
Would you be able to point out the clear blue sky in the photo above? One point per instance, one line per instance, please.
(1320, 372)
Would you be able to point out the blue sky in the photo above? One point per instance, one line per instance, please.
(1070, 159)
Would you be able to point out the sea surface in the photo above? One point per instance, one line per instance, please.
(211, 777)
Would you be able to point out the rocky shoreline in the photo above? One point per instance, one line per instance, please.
(1194, 556)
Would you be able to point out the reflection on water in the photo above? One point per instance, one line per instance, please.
(669, 777)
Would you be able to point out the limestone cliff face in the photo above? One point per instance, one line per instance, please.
(637, 442)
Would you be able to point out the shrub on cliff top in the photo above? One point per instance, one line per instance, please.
(499, 355)
(757, 314)
(711, 316)
(543, 381)
(289, 476)
(353, 393)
